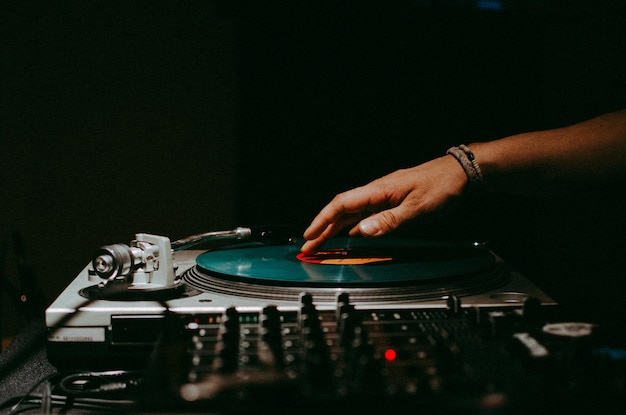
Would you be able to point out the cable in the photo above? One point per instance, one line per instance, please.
(98, 390)
(90, 383)
(28, 394)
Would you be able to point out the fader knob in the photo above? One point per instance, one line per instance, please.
(453, 304)
(308, 318)
(271, 345)
(343, 302)
(311, 327)
(306, 299)
(315, 352)
(227, 347)
(347, 324)
(363, 371)
(569, 340)
(570, 345)
(531, 310)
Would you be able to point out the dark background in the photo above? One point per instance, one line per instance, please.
(177, 119)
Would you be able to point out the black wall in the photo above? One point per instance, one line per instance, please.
(116, 119)
(177, 119)
(332, 97)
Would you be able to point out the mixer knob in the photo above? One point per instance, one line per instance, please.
(347, 320)
(347, 324)
(306, 299)
(448, 352)
(453, 304)
(227, 347)
(363, 371)
(271, 345)
(571, 346)
(503, 323)
(311, 328)
(315, 352)
(343, 303)
(531, 310)
(308, 317)
(569, 340)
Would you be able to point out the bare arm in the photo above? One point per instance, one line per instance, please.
(543, 161)
(526, 163)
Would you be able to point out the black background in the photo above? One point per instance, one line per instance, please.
(177, 119)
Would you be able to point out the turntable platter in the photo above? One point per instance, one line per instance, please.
(348, 261)
(370, 270)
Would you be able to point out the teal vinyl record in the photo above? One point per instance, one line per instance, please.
(347, 262)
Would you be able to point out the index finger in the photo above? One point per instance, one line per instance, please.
(345, 208)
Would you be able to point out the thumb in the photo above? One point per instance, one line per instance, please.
(378, 224)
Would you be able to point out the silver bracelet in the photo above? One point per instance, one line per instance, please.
(467, 160)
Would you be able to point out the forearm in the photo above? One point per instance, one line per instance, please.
(544, 161)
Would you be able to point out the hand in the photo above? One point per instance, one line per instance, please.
(386, 203)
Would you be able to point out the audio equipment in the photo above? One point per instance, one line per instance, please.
(385, 324)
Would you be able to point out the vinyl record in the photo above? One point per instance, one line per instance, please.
(348, 261)
(372, 270)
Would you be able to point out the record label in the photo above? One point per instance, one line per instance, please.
(343, 256)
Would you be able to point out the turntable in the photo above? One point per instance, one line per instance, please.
(113, 310)
(251, 325)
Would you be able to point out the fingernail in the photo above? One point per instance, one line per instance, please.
(370, 227)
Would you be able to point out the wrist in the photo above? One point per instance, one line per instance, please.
(467, 160)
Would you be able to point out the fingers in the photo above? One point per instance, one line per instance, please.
(372, 226)
(384, 222)
(312, 246)
(345, 209)
(317, 236)
(349, 208)
(384, 204)
(377, 225)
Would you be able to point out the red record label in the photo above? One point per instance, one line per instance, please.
(343, 256)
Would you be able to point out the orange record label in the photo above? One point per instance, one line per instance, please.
(342, 256)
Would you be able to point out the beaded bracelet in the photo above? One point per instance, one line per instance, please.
(467, 160)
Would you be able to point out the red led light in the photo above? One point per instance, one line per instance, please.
(390, 355)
